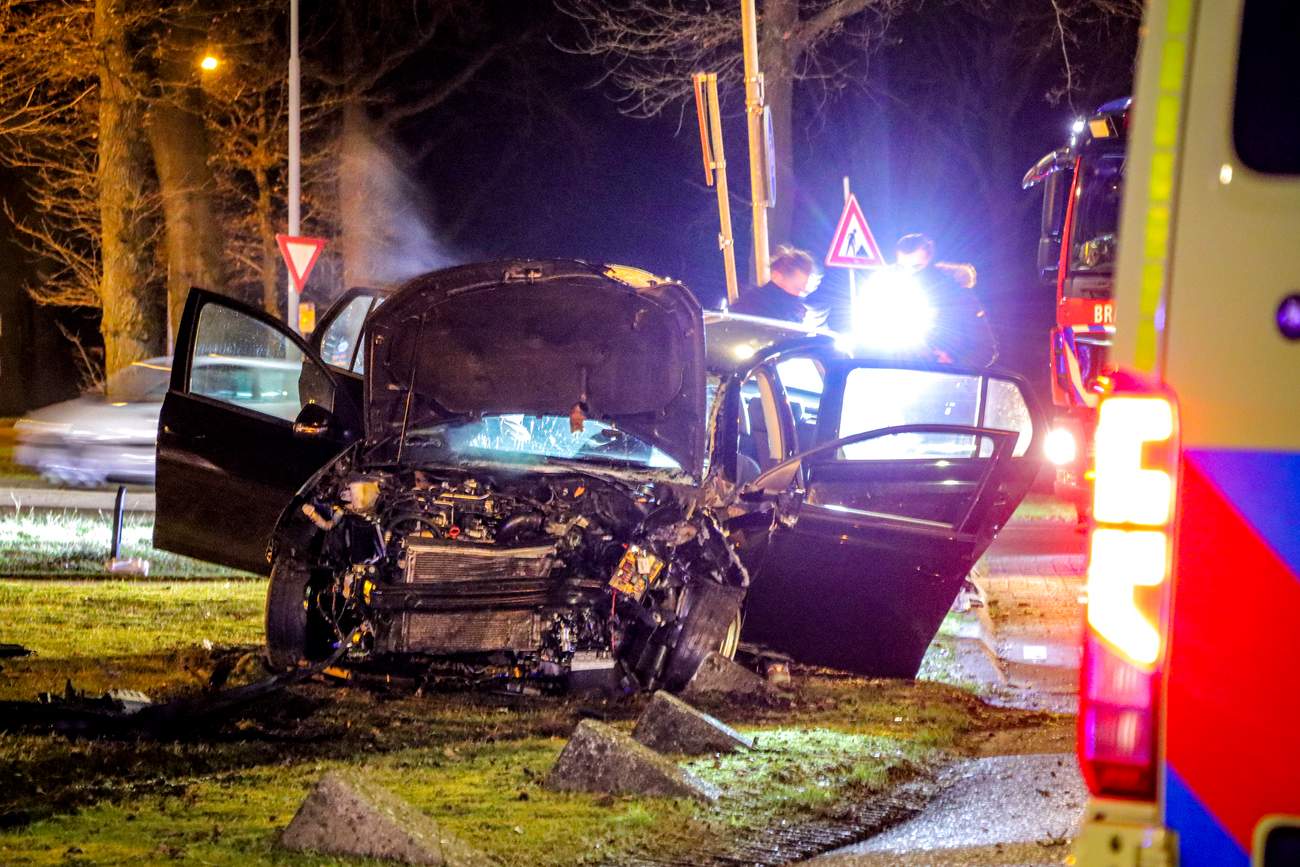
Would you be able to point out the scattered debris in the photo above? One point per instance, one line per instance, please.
(130, 700)
(600, 758)
(348, 815)
(717, 674)
(670, 725)
(13, 651)
(129, 713)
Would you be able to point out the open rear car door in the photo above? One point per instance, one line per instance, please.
(885, 484)
(251, 414)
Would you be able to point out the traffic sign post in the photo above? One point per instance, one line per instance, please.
(853, 247)
(300, 255)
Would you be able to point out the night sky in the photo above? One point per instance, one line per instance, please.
(534, 159)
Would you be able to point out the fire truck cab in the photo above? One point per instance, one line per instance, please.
(1189, 718)
(1082, 185)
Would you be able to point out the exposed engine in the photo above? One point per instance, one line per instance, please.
(518, 575)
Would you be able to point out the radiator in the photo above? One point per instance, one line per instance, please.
(434, 561)
(470, 631)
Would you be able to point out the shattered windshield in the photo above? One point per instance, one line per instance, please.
(517, 437)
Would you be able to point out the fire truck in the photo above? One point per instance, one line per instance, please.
(1189, 702)
(1082, 187)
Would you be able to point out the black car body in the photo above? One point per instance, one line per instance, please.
(539, 468)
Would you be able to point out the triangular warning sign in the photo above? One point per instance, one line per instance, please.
(300, 255)
(854, 245)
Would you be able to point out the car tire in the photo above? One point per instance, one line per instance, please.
(286, 616)
(710, 617)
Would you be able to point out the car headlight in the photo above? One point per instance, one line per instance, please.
(893, 314)
(1060, 447)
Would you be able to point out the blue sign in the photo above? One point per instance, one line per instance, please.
(1288, 317)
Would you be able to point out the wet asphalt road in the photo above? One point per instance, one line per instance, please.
(1009, 811)
(1012, 807)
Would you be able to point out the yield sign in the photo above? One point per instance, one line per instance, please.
(300, 255)
(854, 245)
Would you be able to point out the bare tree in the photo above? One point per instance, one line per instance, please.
(651, 48)
(48, 120)
(74, 126)
(971, 76)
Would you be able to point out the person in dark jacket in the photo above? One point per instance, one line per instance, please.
(961, 333)
(782, 296)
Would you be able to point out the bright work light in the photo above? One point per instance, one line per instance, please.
(894, 313)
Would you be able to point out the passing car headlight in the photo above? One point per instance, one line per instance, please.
(1060, 447)
(893, 314)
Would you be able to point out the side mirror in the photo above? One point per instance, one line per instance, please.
(1049, 258)
(314, 421)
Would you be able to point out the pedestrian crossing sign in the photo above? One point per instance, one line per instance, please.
(854, 245)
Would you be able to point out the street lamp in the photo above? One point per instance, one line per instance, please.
(209, 63)
(295, 168)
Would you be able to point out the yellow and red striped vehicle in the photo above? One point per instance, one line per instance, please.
(1189, 724)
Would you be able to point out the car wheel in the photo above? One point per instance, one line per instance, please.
(710, 619)
(295, 632)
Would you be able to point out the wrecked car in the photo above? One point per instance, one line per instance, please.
(550, 470)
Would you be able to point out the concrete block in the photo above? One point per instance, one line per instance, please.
(670, 725)
(600, 758)
(718, 675)
(348, 815)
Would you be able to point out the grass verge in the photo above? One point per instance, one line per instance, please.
(73, 544)
(474, 762)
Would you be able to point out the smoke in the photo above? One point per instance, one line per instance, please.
(386, 217)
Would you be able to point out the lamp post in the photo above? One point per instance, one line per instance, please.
(295, 155)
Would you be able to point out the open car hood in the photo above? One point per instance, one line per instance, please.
(538, 337)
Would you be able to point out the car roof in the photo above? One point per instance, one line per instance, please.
(732, 339)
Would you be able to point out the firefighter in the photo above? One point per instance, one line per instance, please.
(794, 277)
(961, 333)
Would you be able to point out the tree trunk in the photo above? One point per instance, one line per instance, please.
(270, 253)
(777, 57)
(194, 241)
(129, 324)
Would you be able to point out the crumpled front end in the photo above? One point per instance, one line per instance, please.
(484, 574)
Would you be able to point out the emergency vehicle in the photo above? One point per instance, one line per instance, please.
(1189, 717)
(1082, 183)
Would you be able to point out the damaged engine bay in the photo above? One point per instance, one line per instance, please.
(524, 576)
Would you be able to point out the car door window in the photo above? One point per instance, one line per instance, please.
(1005, 409)
(342, 338)
(244, 362)
(877, 398)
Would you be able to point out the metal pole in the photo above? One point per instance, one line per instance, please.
(726, 242)
(757, 153)
(295, 152)
(119, 508)
(853, 273)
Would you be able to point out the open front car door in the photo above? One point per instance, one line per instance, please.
(883, 484)
(250, 415)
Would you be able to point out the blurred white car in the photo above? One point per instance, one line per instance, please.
(112, 436)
